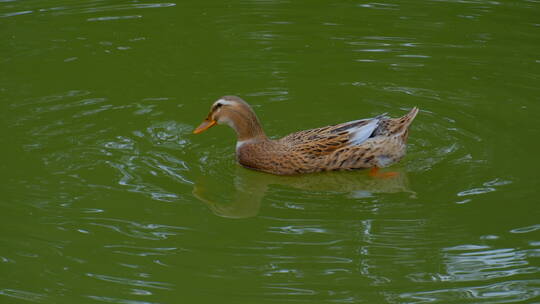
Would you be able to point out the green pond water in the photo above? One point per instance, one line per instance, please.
(107, 196)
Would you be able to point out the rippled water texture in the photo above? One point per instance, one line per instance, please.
(107, 197)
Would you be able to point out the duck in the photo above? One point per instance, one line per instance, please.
(369, 143)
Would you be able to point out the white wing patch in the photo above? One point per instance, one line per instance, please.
(362, 133)
(224, 101)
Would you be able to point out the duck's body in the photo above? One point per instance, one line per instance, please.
(366, 143)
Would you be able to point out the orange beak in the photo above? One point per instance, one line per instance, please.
(205, 125)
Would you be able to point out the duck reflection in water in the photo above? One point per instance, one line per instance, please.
(251, 187)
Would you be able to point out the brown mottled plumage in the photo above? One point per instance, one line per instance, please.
(366, 143)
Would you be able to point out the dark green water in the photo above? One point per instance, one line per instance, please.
(107, 197)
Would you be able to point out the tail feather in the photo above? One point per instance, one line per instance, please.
(401, 125)
(409, 117)
(396, 126)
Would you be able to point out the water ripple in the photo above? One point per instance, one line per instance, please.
(118, 300)
(23, 295)
(502, 292)
(12, 14)
(86, 138)
(479, 264)
(526, 229)
(90, 7)
(143, 251)
(109, 18)
(488, 187)
(131, 282)
(135, 229)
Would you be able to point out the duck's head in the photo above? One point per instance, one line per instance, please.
(232, 111)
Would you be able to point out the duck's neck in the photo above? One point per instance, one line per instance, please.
(247, 126)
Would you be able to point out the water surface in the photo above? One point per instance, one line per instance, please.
(109, 198)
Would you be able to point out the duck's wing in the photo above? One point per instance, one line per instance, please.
(322, 141)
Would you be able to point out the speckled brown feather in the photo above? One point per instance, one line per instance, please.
(327, 148)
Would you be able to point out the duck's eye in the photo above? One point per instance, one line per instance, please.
(218, 105)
